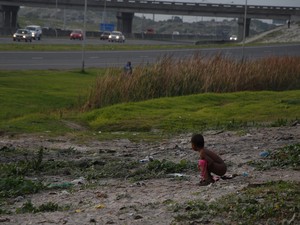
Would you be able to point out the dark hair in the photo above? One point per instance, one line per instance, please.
(198, 140)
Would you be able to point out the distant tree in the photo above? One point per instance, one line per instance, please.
(177, 19)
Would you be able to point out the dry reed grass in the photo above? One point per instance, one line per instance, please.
(176, 77)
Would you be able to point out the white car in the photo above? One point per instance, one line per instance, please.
(36, 31)
(116, 36)
(233, 38)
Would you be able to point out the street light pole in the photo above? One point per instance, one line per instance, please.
(56, 18)
(84, 36)
(244, 33)
(104, 15)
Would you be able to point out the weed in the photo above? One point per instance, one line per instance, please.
(28, 207)
(286, 157)
(37, 162)
(15, 186)
(158, 169)
(273, 201)
(279, 123)
(25, 166)
(136, 171)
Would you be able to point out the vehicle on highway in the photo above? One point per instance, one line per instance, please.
(150, 31)
(22, 35)
(36, 31)
(116, 36)
(233, 38)
(105, 35)
(76, 34)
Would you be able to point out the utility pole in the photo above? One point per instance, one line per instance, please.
(84, 36)
(244, 33)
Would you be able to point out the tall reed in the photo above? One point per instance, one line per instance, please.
(196, 74)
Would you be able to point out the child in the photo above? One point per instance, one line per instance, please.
(209, 161)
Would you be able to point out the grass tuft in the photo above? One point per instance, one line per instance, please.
(286, 157)
(269, 203)
(171, 77)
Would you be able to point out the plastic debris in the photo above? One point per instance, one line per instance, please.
(80, 180)
(61, 185)
(176, 175)
(147, 159)
(245, 174)
(264, 154)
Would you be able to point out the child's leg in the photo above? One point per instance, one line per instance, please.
(203, 167)
(215, 164)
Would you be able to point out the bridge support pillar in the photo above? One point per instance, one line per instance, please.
(241, 28)
(8, 19)
(124, 22)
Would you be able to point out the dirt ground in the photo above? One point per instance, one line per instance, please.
(119, 201)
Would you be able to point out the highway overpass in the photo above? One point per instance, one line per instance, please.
(126, 8)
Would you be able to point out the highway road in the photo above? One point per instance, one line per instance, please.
(25, 60)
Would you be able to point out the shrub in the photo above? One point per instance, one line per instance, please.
(170, 77)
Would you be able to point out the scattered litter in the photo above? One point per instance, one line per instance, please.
(61, 185)
(78, 210)
(139, 184)
(19, 199)
(80, 180)
(100, 206)
(264, 154)
(229, 176)
(147, 159)
(245, 174)
(176, 175)
(64, 192)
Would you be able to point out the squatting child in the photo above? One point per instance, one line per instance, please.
(209, 162)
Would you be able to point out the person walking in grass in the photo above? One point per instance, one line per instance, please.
(128, 68)
(209, 162)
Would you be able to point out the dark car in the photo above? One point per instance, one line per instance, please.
(22, 35)
(76, 34)
(105, 35)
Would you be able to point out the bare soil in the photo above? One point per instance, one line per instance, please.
(119, 201)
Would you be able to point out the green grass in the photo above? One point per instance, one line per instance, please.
(28, 207)
(41, 97)
(170, 77)
(101, 47)
(88, 47)
(41, 101)
(196, 112)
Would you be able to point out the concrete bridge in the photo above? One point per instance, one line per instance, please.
(126, 8)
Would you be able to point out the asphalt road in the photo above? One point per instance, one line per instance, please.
(23, 60)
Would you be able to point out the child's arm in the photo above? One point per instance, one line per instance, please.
(202, 154)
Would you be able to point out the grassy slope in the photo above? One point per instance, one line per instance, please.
(37, 101)
(193, 112)
(30, 95)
